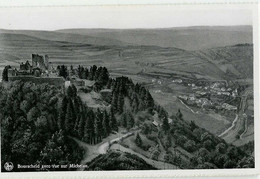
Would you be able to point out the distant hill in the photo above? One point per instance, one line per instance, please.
(22, 46)
(188, 38)
(213, 63)
(234, 60)
(66, 37)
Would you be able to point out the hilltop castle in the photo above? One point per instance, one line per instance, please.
(40, 66)
(38, 72)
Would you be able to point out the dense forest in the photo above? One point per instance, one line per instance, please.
(39, 121)
(117, 160)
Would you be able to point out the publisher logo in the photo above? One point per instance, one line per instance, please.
(8, 166)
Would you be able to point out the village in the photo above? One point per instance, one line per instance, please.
(211, 97)
(208, 95)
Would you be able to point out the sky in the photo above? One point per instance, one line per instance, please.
(124, 17)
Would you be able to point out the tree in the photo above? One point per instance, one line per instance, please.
(135, 104)
(89, 132)
(120, 103)
(103, 78)
(114, 101)
(98, 126)
(85, 73)
(192, 125)
(149, 100)
(5, 73)
(53, 151)
(232, 152)
(165, 124)
(92, 72)
(97, 74)
(109, 83)
(179, 115)
(68, 118)
(81, 126)
(124, 120)
(138, 140)
(112, 119)
(230, 164)
(70, 92)
(220, 160)
(41, 122)
(208, 144)
(190, 146)
(221, 148)
(62, 112)
(168, 142)
(74, 90)
(33, 114)
(105, 124)
(130, 120)
(62, 71)
(80, 71)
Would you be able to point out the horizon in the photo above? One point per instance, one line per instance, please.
(159, 28)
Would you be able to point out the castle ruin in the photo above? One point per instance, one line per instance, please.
(38, 72)
(40, 62)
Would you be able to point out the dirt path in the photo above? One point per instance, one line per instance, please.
(92, 151)
(197, 112)
(155, 163)
(241, 136)
(231, 127)
(231, 135)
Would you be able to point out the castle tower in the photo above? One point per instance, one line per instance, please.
(34, 61)
(38, 61)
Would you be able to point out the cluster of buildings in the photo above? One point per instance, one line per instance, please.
(38, 71)
(206, 94)
(210, 96)
(192, 99)
(39, 67)
(205, 103)
(216, 88)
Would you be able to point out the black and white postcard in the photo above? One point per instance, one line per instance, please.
(159, 90)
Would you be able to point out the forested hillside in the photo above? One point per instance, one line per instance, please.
(39, 122)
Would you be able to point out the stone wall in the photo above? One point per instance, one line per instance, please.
(56, 81)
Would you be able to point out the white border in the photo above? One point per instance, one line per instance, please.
(41, 3)
(174, 173)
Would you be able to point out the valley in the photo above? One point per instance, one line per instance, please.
(170, 71)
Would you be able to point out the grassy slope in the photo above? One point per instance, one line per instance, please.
(234, 60)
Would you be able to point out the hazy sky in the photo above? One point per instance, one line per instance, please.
(38, 18)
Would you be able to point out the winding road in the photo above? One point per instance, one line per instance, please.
(155, 163)
(231, 135)
(230, 128)
(92, 151)
(241, 136)
(197, 112)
